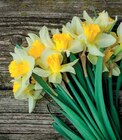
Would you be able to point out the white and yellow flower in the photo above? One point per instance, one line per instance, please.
(60, 42)
(90, 35)
(22, 65)
(103, 20)
(112, 54)
(53, 68)
(35, 46)
(27, 92)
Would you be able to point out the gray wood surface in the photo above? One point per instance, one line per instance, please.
(17, 18)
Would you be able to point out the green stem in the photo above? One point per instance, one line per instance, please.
(119, 84)
(100, 99)
(83, 106)
(92, 108)
(92, 94)
(112, 108)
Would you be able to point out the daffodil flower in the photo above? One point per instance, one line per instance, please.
(53, 68)
(107, 61)
(60, 42)
(112, 54)
(90, 34)
(22, 65)
(103, 20)
(27, 92)
(95, 40)
(35, 46)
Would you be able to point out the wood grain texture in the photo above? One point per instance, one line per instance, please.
(17, 18)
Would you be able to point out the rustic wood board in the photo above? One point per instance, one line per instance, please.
(17, 18)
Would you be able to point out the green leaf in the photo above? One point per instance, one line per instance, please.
(112, 108)
(91, 91)
(76, 109)
(70, 114)
(98, 134)
(66, 129)
(90, 73)
(76, 121)
(100, 99)
(119, 84)
(61, 132)
(91, 107)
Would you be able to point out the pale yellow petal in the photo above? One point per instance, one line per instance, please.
(105, 40)
(92, 58)
(87, 17)
(45, 37)
(119, 32)
(41, 72)
(55, 78)
(31, 104)
(94, 51)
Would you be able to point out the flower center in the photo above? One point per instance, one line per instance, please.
(36, 49)
(62, 41)
(91, 31)
(16, 86)
(17, 69)
(54, 62)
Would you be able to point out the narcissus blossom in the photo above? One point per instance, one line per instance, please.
(22, 64)
(103, 20)
(27, 92)
(35, 46)
(91, 37)
(54, 68)
(60, 42)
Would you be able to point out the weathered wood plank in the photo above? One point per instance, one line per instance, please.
(15, 119)
(54, 9)
(14, 112)
(22, 136)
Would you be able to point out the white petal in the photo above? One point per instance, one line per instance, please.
(38, 94)
(105, 40)
(76, 25)
(55, 78)
(29, 41)
(67, 29)
(38, 86)
(21, 94)
(119, 32)
(68, 69)
(45, 38)
(33, 36)
(116, 70)
(92, 59)
(94, 51)
(67, 53)
(55, 31)
(118, 57)
(41, 72)
(105, 69)
(87, 17)
(31, 104)
(76, 46)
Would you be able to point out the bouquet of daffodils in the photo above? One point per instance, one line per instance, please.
(75, 67)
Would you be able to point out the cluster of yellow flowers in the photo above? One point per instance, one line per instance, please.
(46, 54)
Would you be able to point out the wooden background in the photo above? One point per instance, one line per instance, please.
(17, 18)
